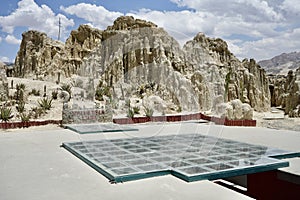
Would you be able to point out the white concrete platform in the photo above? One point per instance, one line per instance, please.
(35, 167)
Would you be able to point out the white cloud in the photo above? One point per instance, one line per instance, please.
(253, 10)
(249, 26)
(268, 26)
(268, 47)
(41, 18)
(12, 39)
(291, 6)
(0, 39)
(182, 25)
(98, 16)
(4, 59)
(257, 28)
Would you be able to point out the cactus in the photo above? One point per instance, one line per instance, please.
(45, 90)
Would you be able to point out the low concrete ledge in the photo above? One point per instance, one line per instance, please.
(11, 125)
(176, 118)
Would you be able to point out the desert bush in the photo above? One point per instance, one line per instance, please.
(54, 94)
(5, 114)
(37, 112)
(148, 111)
(10, 103)
(20, 86)
(19, 94)
(20, 107)
(136, 110)
(102, 91)
(34, 92)
(25, 117)
(45, 103)
(127, 103)
(130, 113)
(179, 109)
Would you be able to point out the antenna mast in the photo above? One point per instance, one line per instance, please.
(59, 26)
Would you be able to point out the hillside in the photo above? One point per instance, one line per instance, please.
(282, 63)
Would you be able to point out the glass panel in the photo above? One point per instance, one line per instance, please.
(190, 155)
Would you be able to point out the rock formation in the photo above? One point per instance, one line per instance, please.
(3, 83)
(234, 109)
(285, 92)
(135, 58)
(42, 58)
(225, 75)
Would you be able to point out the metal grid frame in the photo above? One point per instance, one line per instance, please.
(99, 128)
(191, 157)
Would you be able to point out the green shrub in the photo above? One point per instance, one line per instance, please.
(54, 94)
(148, 111)
(136, 110)
(37, 112)
(21, 106)
(20, 86)
(179, 109)
(19, 94)
(34, 92)
(102, 91)
(5, 114)
(127, 103)
(45, 103)
(25, 117)
(130, 113)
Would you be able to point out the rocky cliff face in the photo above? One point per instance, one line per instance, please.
(42, 58)
(3, 83)
(36, 55)
(285, 92)
(225, 76)
(135, 58)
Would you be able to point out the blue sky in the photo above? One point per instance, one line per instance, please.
(257, 29)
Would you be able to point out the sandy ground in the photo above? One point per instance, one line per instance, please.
(277, 120)
(274, 119)
(35, 167)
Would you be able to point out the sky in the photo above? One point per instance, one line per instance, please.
(259, 29)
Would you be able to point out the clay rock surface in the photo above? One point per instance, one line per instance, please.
(235, 110)
(133, 53)
(3, 83)
(43, 58)
(285, 92)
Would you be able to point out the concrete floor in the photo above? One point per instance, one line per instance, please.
(34, 166)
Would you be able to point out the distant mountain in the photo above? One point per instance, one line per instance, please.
(281, 64)
(8, 63)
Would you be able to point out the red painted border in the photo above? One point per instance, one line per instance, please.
(134, 120)
(11, 125)
(176, 118)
